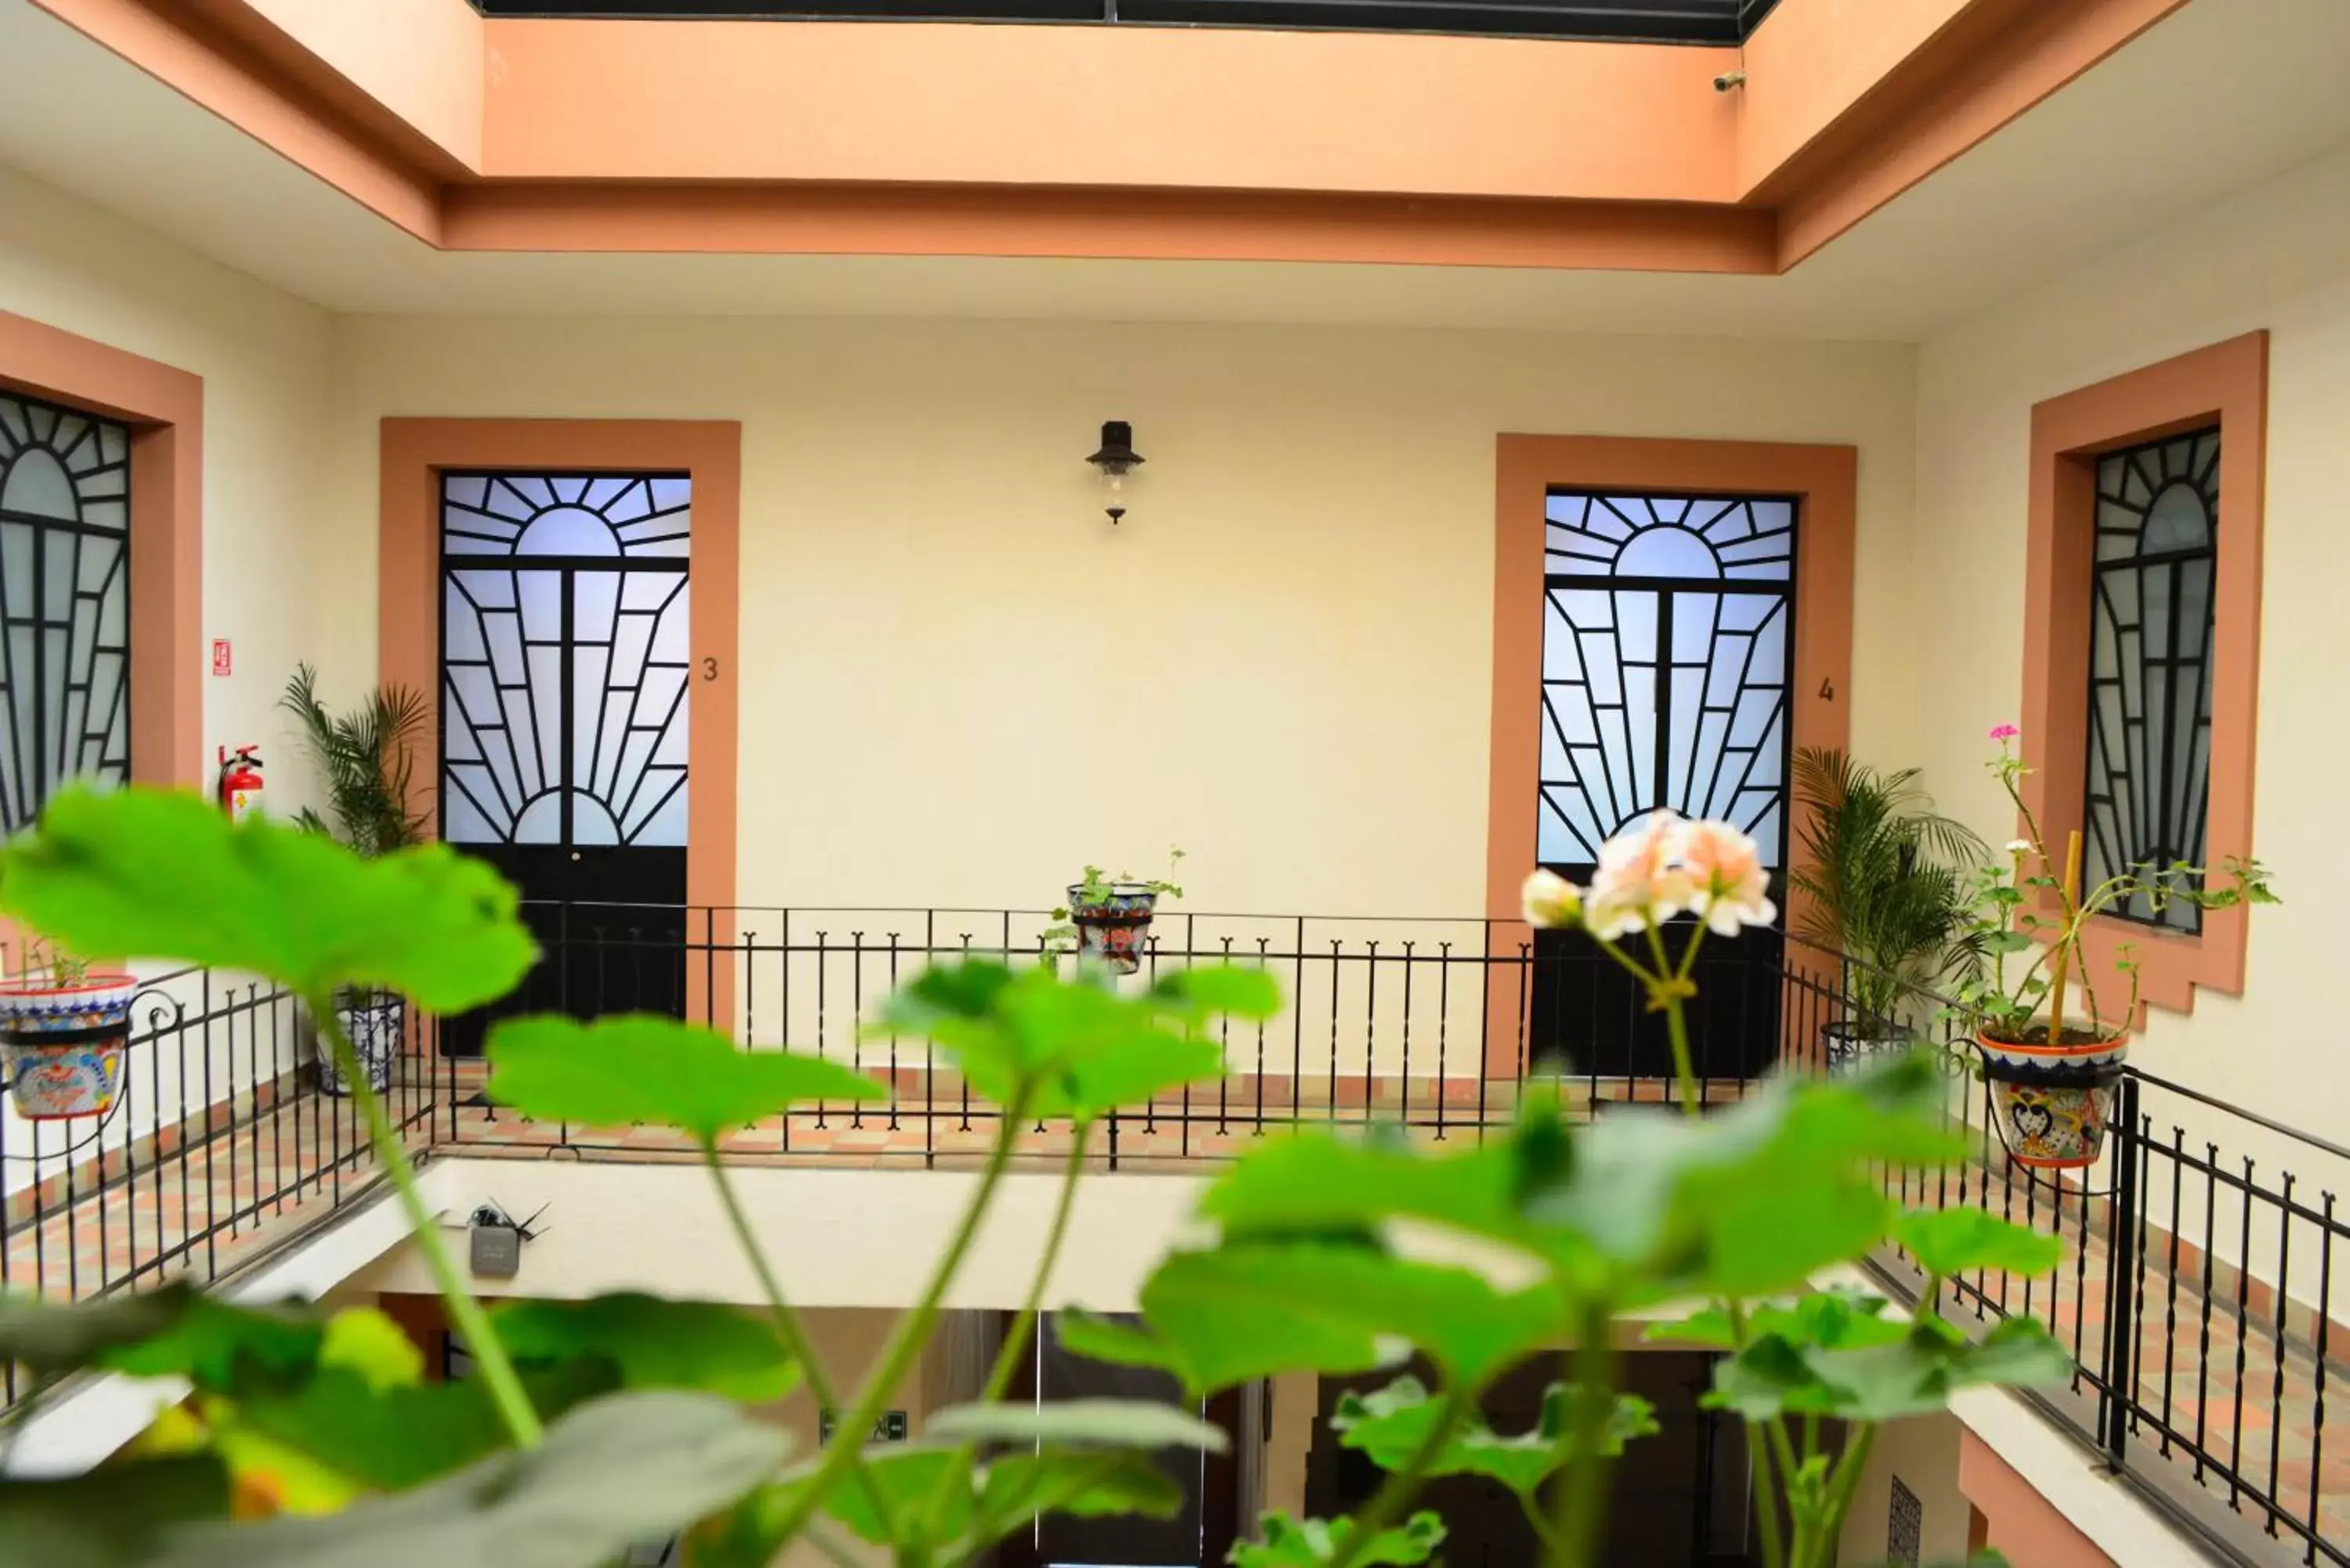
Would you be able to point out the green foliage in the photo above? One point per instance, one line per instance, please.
(110, 1517)
(161, 874)
(1073, 1048)
(1641, 1206)
(1885, 879)
(655, 1342)
(621, 1470)
(638, 1068)
(367, 760)
(934, 1498)
(1952, 1241)
(1391, 1424)
(1314, 1544)
(1081, 1423)
(1914, 1374)
(1246, 1310)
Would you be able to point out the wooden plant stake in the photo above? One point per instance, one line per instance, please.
(2067, 892)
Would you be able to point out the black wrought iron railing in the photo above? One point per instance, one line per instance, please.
(2196, 1292)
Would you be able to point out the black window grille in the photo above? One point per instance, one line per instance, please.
(2151, 618)
(65, 603)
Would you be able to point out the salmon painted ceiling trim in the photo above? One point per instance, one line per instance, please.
(475, 133)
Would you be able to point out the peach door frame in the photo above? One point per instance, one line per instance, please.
(164, 408)
(2228, 384)
(1824, 480)
(414, 452)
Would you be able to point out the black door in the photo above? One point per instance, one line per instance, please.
(1667, 650)
(564, 660)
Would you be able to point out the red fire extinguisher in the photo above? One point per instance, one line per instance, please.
(240, 783)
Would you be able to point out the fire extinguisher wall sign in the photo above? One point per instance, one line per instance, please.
(240, 783)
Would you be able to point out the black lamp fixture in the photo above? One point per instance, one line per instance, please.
(1117, 458)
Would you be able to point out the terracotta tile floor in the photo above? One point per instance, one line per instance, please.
(2238, 1409)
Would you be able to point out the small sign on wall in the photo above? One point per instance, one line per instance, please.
(221, 660)
(889, 1426)
(1906, 1528)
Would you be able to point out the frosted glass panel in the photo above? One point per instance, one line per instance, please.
(2152, 602)
(567, 648)
(64, 604)
(1654, 695)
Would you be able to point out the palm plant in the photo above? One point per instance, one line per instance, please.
(1887, 882)
(366, 758)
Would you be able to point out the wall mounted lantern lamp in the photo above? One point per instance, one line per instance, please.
(1116, 460)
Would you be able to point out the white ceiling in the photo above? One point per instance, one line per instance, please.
(2223, 95)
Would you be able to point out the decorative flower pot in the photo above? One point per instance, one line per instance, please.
(2054, 1101)
(1855, 1041)
(1112, 927)
(376, 1024)
(61, 1046)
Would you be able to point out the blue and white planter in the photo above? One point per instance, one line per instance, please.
(62, 1046)
(2054, 1101)
(376, 1024)
(1113, 927)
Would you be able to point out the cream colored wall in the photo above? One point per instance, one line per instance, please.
(960, 683)
(263, 357)
(2276, 257)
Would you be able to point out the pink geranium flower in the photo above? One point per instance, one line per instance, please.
(2004, 733)
(1551, 901)
(1640, 882)
(1724, 867)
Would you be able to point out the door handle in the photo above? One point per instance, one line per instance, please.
(575, 854)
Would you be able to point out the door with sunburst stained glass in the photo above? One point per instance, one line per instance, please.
(1668, 643)
(564, 678)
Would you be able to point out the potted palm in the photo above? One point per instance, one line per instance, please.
(366, 760)
(1109, 918)
(63, 1032)
(1881, 873)
(2051, 1069)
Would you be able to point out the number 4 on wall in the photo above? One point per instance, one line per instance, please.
(1827, 689)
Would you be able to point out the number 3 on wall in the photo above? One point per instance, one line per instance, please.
(709, 669)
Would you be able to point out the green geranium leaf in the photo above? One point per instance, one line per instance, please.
(50, 1339)
(349, 1435)
(621, 1470)
(655, 1342)
(1074, 1047)
(1221, 989)
(365, 1342)
(1948, 1241)
(1088, 1483)
(1250, 1309)
(638, 1068)
(1913, 1376)
(111, 1517)
(1642, 1207)
(225, 1348)
(1081, 1423)
(1393, 1423)
(1118, 1343)
(163, 874)
(1310, 1543)
(909, 1481)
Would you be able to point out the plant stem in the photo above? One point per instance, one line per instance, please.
(1007, 1358)
(788, 1324)
(913, 1330)
(788, 1327)
(1402, 1486)
(1841, 1486)
(497, 1372)
(1684, 1070)
(1766, 1497)
(1582, 1500)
